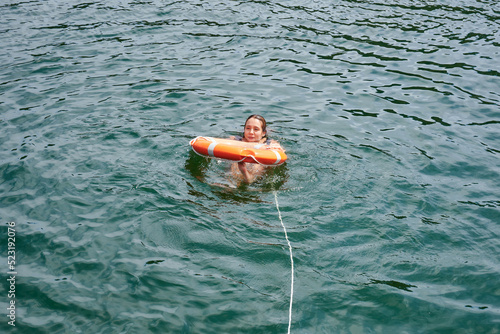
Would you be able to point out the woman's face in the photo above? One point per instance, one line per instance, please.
(253, 130)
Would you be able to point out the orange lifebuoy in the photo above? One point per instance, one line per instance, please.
(238, 151)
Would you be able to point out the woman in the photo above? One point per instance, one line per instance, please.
(254, 132)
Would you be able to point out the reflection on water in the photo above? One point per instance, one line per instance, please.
(222, 174)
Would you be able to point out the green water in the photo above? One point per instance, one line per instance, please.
(389, 112)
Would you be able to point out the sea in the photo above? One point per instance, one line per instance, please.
(384, 219)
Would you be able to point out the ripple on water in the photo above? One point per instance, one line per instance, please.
(389, 114)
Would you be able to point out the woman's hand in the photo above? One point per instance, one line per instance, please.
(243, 169)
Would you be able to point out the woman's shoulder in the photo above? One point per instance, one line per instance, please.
(273, 144)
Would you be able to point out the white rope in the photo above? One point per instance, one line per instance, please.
(291, 261)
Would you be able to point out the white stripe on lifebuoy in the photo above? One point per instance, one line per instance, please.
(278, 157)
(211, 148)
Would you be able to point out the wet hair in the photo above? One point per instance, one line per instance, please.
(262, 121)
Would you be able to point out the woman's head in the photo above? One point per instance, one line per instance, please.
(255, 128)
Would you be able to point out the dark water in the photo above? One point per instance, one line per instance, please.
(390, 114)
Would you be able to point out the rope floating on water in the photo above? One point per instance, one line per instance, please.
(291, 261)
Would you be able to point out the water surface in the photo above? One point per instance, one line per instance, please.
(389, 111)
